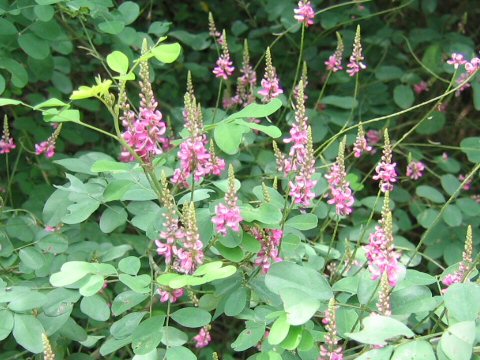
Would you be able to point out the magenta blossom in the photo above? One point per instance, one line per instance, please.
(465, 265)
(361, 144)
(7, 144)
(270, 83)
(203, 338)
(224, 68)
(422, 86)
(48, 147)
(228, 215)
(385, 170)
(304, 13)
(270, 240)
(456, 60)
(170, 295)
(415, 170)
(331, 350)
(334, 62)
(355, 64)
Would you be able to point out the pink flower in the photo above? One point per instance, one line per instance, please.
(145, 133)
(330, 350)
(422, 86)
(171, 295)
(361, 144)
(465, 265)
(203, 338)
(224, 68)
(468, 184)
(48, 147)
(7, 144)
(355, 64)
(415, 170)
(270, 84)
(381, 255)
(472, 66)
(304, 13)
(270, 241)
(456, 60)
(373, 137)
(228, 214)
(334, 62)
(385, 170)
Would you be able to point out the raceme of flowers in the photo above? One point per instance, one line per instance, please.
(228, 215)
(331, 350)
(465, 265)
(355, 65)
(224, 67)
(270, 83)
(48, 147)
(7, 144)
(334, 62)
(195, 159)
(304, 13)
(381, 255)
(144, 133)
(415, 170)
(385, 170)
(361, 143)
(269, 253)
(340, 192)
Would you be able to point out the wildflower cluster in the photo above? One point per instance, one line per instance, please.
(195, 159)
(355, 64)
(228, 215)
(224, 67)
(269, 240)
(7, 143)
(381, 255)
(466, 263)
(270, 83)
(331, 350)
(361, 143)
(48, 147)
(385, 170)
(304, 13)
(144, 133)
(334, 62)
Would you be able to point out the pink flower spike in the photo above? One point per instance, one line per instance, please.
(465, 265)
(355, 64)
(385, 170)
(331, 350)
(171, 295)
(456, 60)
(361, 144)
(334, 62)
(422, 86)
(203, 338)
(224, 68)
(228, 215)
(472, 66)
(7, 144)
(415, 170)
(270, 240)
(270, 84)
(48, 147)
(304, 13)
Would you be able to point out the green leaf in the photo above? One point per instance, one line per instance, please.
(452, 216)
(272, 131)
(414, 350)
(5, 101)
(463, 301)
(140, 283)
(476, 94)
(342, 102)
(303, 222)
(64, 115)
(126, 325)
(403, 96)
(33, 46)
(299, 306)
(118, 62)
(129, 265)
(113, 27)
(265, 213)
(287, 275)
(279, 330)
(28, 301)
(192, 317)
(167, 53)
(147, 335)
(125, 301)
(457, 341)
(93, 284)
(130, 11)
(110, 166)
(112, 218)
(95, 307)
(377, 329)
(112, 345)
(173, 337)
(32, 258)
(377, 354)
(44, 12)
(255, 110)
(228, 137)
(249, 337)
(236, 302)
(471, 147)
(180, 353)
(449, 183)
(27, 331)
(53, 102)
(6, 323)
(388, 73)
(433, 124)
(430, 193)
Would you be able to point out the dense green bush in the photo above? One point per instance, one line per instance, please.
(233, 219)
